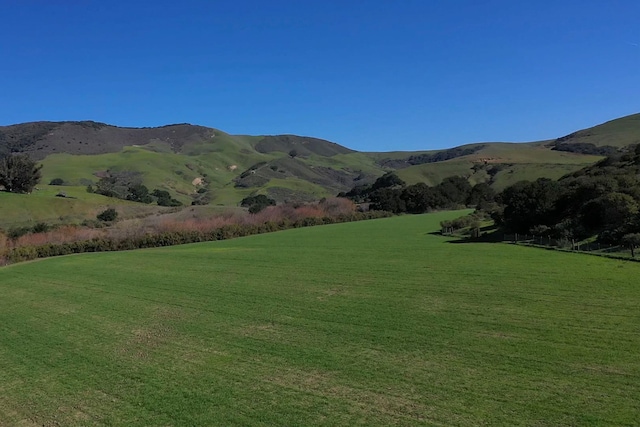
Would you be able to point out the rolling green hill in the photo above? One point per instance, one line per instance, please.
(373, 323)
(501, 164)
(211, 166)
(612, 134)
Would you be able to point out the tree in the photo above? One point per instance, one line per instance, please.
(118, 183)
(417, 198)
(165, 199)
(139, 193)
(455, 189)
(609, 212)
(527, 204)
(108, 215)
(19, 174)
(257, 203)
(481, 194)
(388, 180)
(387, 199)
(632, 241)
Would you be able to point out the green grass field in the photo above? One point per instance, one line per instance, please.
(369, 323)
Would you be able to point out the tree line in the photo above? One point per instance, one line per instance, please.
(390, 193)
(602, 200)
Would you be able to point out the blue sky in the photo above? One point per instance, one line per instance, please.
(374, 75)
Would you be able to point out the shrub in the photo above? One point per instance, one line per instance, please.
(17, 232)
(41, 227)
(108, 215)
(56, 181)
(165, 199)
(257, 203)
(71, 239)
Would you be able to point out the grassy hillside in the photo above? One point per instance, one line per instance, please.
(616, 133)
(18, 210)
(223, 161)
(501, 164)
(183, 159)
(370, 323)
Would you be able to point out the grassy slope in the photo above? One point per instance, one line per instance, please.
(43, 206)
(522, 161)
(370, 323)
(618, 133)
(164, 169)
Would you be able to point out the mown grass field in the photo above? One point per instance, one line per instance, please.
(369, 323)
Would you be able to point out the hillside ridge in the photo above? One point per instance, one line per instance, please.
(88, 137)
(203, 165)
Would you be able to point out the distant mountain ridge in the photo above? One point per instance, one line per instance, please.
(203, 165)
(39, 139)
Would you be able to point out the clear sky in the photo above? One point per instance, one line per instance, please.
(374, 75)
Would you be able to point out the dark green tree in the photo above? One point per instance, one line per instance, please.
(455, 189)
(139, 193)
(118, 183)
(388, 199)
(528, 204)
(257, 203)
(108, 215)
(481, 194)
(19, 174)
(632, 241)
(165, 199)
(417, 198)
(388, 180)
(609, 212)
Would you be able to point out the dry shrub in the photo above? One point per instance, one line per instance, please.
(307, 211)
(129, 229)
(336, 206)
(268, 214)
(58, 236)
(185, 227)
(4, 242)
(192, 224)
(332, 207)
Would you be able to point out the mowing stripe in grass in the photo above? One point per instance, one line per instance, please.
(367, 323)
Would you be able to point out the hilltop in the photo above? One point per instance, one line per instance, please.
(207, 166)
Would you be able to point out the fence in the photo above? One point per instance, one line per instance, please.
(596, 248)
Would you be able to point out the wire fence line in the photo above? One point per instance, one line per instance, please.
(546, 242)
(568, 244)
